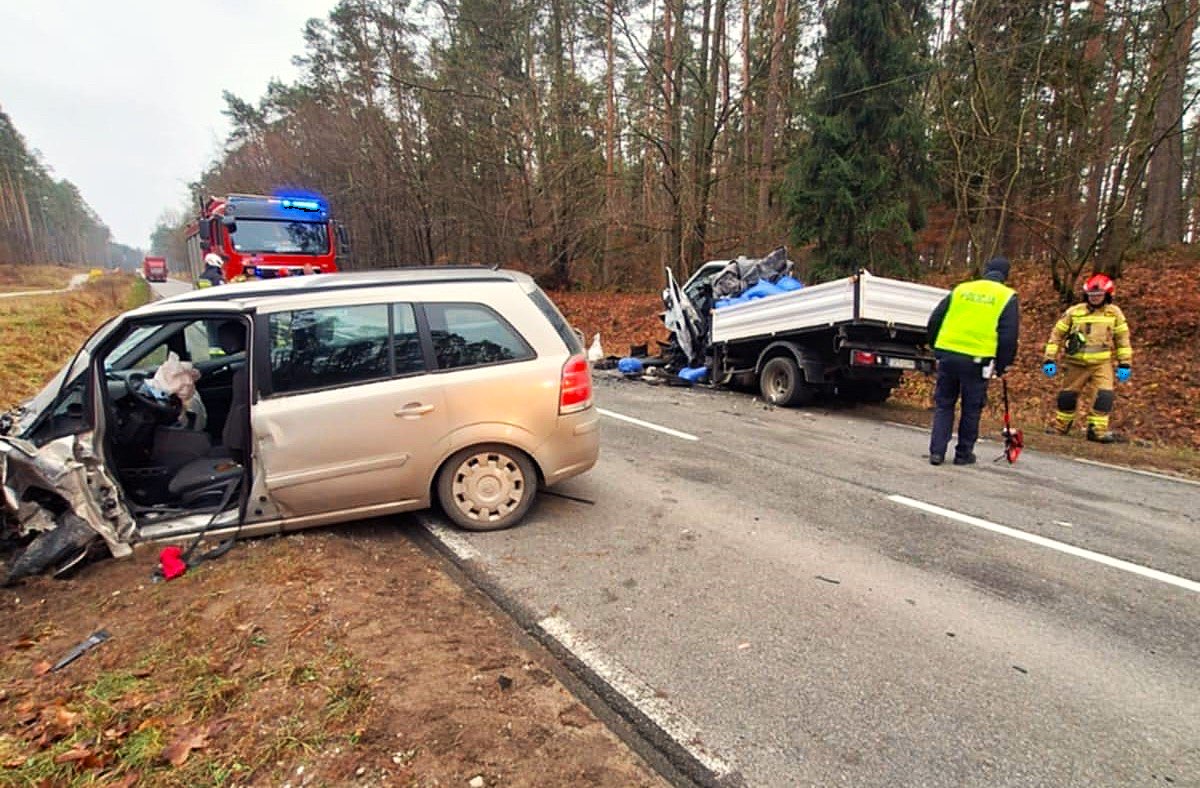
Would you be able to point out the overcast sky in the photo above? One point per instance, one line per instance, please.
(124, 98)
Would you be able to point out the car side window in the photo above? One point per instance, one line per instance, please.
(469, 335)
(406, 340)
(324, 348)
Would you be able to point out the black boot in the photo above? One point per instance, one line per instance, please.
(1100, 437)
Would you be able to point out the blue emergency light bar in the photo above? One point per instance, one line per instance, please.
(292, 207)
(302, 205)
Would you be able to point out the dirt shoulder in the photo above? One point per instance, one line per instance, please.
(335, 657)
(17, 278)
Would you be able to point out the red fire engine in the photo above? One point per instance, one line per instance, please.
(266, 237)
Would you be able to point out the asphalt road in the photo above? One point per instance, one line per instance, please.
(802, 599)
(171, 287)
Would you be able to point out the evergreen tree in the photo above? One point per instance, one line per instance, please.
(857, 187)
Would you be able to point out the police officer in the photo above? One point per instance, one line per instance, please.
(974, 335)
(1087, 333)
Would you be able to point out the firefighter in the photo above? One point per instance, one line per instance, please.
(213, 273)
(974, 335)
(1087, 334)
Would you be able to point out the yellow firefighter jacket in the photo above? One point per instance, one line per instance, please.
(1095, 332)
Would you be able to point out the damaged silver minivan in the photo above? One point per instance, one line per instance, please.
(318, 400)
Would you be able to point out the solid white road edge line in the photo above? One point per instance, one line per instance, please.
(1166, 476)
(683, 731)
(647, 425)
(456, 544)
(1079, 552)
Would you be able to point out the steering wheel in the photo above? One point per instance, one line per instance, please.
(164, 410)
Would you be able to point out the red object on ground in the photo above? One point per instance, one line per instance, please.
(1014, 440)
(172, 562)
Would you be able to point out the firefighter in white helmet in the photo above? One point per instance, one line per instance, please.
(214, 270)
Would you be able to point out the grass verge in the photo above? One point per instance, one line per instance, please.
(39, 334)
(15, 278)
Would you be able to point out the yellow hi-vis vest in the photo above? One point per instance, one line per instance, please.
(969, 326)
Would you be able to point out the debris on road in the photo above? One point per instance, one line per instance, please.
(93, 640)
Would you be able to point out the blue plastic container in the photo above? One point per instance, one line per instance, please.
(629, 366)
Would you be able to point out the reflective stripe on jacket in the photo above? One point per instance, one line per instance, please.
(971, 320)
(1101, 328)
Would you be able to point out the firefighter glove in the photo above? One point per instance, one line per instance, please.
(1049, 368)
(1123, 373)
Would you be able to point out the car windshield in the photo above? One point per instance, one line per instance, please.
(69, 372)
(280, 237)
(135, 338)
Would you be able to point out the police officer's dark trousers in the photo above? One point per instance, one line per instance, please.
(957, 375)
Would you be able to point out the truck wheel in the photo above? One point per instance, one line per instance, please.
(782, 384)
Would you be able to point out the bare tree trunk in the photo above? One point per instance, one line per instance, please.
(1164, 175)
(706, 127)
(1192, 220)
(673, 30)
(1099, 165)
(1146, 134)
(610, 144)
(747, 103)
(770, 116)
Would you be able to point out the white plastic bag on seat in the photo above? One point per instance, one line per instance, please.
(179, 378)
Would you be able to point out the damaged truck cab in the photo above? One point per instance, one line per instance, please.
(853, 337)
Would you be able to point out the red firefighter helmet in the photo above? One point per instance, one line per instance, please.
(1100, 283)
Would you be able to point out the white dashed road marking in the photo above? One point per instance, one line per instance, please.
(648, 425)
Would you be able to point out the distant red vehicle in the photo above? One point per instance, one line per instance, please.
(154, 269)
(266, 237)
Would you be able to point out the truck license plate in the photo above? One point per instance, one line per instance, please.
(902, 363)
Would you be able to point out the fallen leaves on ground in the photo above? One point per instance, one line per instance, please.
(176, 753)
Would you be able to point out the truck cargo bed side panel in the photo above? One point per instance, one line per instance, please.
(897, 303)
(819, 305)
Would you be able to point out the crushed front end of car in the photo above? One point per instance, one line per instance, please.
(58, 502)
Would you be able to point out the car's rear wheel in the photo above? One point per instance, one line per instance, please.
(487, 488)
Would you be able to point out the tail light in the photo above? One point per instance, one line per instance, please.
(863, 359)
(575, 392)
